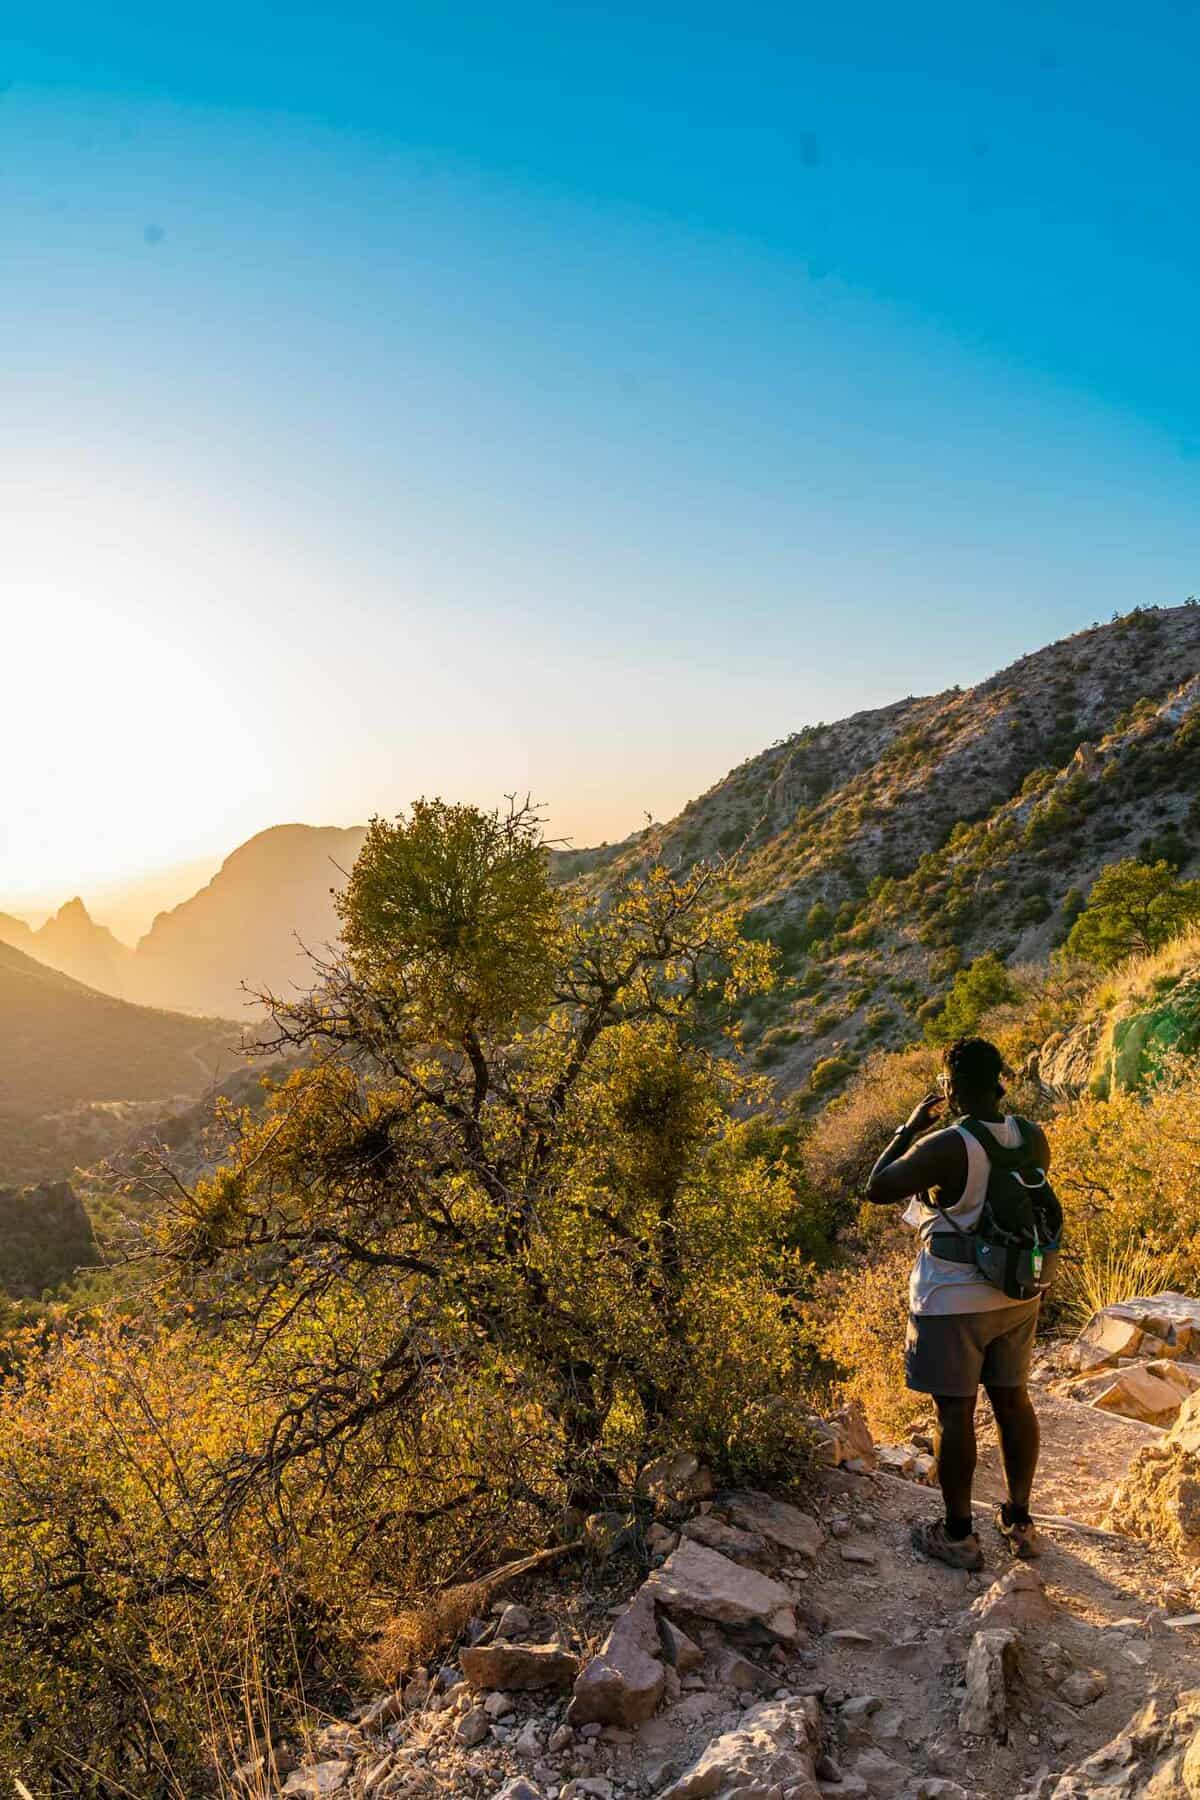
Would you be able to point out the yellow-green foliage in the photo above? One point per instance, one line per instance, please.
(1127, 1169)
(865, 1320)
(464, 1273)
(849, 1134)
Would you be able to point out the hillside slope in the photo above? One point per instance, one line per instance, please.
(72, 1059)
(928, 831)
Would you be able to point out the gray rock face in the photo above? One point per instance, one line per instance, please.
(700, 1581)
(991, 1664)
(1157, 1753)
(625, 1682)
(784, 1526)
(771, 1753)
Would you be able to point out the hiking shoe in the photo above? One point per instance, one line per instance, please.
(933, 1540)
(1022, 1539)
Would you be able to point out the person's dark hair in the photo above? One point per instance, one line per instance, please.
(975, 1067)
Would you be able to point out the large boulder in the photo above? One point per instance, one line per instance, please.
(1157, 1753)
(771, 1753)
(1152, 1326)
(625, 1682)
(1159, 1498)
(701, 1582)
(1139, 1392)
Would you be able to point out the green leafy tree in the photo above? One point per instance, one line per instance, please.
(975, 990)
(504, 1143)
(1133, 908)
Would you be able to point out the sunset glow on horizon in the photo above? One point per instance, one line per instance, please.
(542, 406)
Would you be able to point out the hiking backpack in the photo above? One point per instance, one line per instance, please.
(1015, 1243)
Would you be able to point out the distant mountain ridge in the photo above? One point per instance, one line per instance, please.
(251, 928)
(65, 1049)
(877, 851)
(248, 930)
(74, 944)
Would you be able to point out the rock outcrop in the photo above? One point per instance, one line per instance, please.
(772, 1753)
(626, 1681)
(703, 1584)
(1160, 1496)
(1156, 1755)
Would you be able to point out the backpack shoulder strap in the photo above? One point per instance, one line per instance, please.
(1001, 1156)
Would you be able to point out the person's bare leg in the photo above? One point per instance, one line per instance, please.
(952, 1540)
(954, 1444)
(1020, 1441)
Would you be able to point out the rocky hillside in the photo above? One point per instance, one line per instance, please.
(883, 851)
(878, 852)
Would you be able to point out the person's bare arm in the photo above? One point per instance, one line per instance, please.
(909, 1167)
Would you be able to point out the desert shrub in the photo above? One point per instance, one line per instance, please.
(975, 990)
(829, 1073)
(864, 1318)
(495, 1239)
(1133, 908)
(1128, 1171)
(847, 1137)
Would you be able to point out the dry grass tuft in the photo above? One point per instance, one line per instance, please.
(1101, 1274)
(414, 1636)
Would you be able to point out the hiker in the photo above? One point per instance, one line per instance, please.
(962, 1329)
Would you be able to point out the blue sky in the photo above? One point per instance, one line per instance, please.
(571, 398)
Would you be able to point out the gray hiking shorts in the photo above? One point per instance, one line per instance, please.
(955, 1353)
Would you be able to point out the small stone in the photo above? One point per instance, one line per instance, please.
(472, 1727)
(513, 1622)
(660, 1540)
(624, 1683)
(319, 1778)
(680, 1651)
(737, 1671)
(1083, 1687)
(561, 1739)
(498, 1706)
(519, 1789)
(883, 1775)
(676, 1480)
(857, 1553)
(840, 1527)
(528, 1742)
